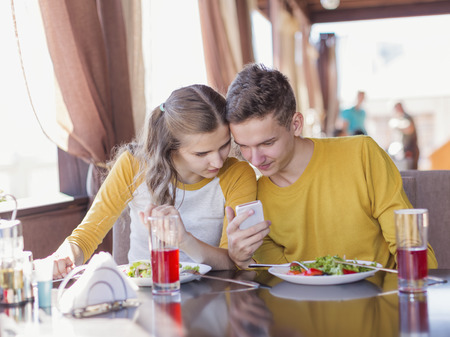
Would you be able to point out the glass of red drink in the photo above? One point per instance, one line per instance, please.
(412, 239)
(164, 254)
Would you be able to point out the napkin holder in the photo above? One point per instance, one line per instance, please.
(101, 288)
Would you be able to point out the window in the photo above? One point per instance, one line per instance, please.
(173, 57)
(28, 164)
(404, 59)
(262, 39)
(173, 48)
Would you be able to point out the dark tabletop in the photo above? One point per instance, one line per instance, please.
(204, 307)
(371, 307)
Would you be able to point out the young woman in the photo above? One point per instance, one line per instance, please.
(178, 165)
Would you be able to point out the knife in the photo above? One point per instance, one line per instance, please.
(262, 265)
(367, 266)
(431, 278)
(395, 271)
(247, 283)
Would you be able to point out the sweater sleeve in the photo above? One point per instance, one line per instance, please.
(386, 193)
(112, 198)
(238, 184)
(270, 252)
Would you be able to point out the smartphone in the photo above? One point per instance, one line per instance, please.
(257, 217)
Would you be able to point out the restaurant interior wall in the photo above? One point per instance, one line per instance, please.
(395, 60)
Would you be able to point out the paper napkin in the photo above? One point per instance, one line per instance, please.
(102, 282)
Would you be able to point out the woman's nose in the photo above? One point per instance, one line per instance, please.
(217, 160)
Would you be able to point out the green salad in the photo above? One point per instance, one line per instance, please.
(143, 269)
(140, 269)
(327, 265)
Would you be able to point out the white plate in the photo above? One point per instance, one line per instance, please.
(339, 292)
(147, 281)
(282, 273)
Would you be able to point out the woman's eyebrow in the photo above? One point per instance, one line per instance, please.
(226, 144)
(206, 152)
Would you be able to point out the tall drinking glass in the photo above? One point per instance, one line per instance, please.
(164, 254)
(412, 238)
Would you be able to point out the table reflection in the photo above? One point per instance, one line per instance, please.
(20, 313)
(205, 307)
(162, 316)
(249, 315)
(413, 314)
(367, 308)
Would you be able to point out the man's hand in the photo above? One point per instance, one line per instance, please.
(242, 244)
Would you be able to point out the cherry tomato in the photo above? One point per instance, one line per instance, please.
(312, 272)
(346, 271)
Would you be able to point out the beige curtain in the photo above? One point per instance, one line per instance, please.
(87, 43)
(132, 13)
(226, 33)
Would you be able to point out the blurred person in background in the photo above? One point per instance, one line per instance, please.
(405, 143)
(339, 133)
(353, 119)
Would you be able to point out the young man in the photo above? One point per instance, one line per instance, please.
(323, 196)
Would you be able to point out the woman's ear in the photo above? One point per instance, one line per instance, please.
(297, 124)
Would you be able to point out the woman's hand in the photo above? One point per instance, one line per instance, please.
(62, 265)
(163, 210)
(66, 258)
(196, 249)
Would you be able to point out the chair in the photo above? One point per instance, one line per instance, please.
(121, 237)
(431, 190)
(425, 189)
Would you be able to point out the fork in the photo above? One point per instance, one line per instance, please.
(301, 265)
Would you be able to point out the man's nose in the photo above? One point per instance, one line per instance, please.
(257, 157)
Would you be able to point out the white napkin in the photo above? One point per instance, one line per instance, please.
(101, 282)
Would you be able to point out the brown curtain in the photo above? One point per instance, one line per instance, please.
(87, 44)
(227, 47)
(297, 58)
(328, 80)
(293, 57)
(284, 28)
(244, 9)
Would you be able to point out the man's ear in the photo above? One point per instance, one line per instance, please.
(297, 123)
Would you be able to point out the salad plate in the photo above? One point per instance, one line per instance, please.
(283, 270)
(184, 277)
(338, 292)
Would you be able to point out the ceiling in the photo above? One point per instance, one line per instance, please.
(350, 10)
